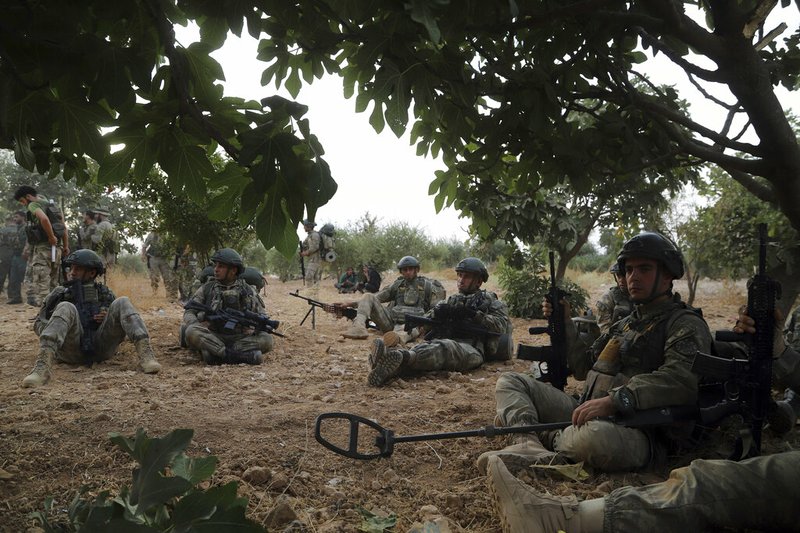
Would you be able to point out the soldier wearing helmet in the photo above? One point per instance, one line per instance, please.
(447, 347)
(82, 322)
(310, 250)
(226, 290)
(643, 362)
(409, 294)
(156, 252)
(615, 304)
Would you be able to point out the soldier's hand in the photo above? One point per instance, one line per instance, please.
(589, 410)
(547, 308)
(100, 316)
(746, 324)
(442, 311)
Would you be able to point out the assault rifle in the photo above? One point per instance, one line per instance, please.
(552, 359)
(451, 327)
(302, 264)
(230, 318)
(86, 313)
(338, 310)
(748, 382)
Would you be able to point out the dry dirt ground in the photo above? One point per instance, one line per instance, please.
(54, 439)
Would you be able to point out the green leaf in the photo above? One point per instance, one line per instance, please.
(293, 83)
(195, 469)
(154, 455)
(372, 523)
(376, 117)
(114, 167)
(78, 127)
(186, 165)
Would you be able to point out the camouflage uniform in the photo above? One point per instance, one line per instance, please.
(158, 265)
(415, 297)
(464, 352)
(217, 347)
(18, 267)
(612, 306)
(8, 238)
(85, 233)
(648, 354)
(186, 273)
(42, 273)
(103, 242)
(313, 244)
(759, 493)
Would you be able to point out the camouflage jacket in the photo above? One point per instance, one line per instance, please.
(612, 306)
(238, 295)
(94, 294)
(415, 297)
(492, 315)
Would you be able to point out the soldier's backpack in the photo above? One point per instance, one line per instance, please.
(327, 251)
(34, 230)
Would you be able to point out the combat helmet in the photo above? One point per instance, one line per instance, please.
(474, 265)
(407, 261)
(652, 245)
(615, 269)
(229, 256)
(252, 276)
(308, 222)
(87, 259)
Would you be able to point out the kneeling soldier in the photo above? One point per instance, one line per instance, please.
(216, 344)
(83, 322)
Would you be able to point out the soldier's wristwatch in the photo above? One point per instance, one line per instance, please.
(624, 401)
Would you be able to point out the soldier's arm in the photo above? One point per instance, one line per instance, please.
(190, 315)
(495, 318)
(605, 312)
(65, 236)
(673, 383)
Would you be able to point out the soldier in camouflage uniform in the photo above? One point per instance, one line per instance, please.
(454, 351)
(47, 238)
(791, 329)
(615, 304)
(186, 272)
(87, 229)
(83, 322)
(643, 362)
(8, 237)
(410, 294)
(760, 493)
(155, 253)
(226, 291)
(104, 238)
(312, 246)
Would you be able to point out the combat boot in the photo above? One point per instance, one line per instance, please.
(41, 369)
(358, 330)
(147, 359)
(252, 357)
(783, 418)
(527, 450)
(523, 510)
(384, 364)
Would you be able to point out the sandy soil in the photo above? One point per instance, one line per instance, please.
(259, 421)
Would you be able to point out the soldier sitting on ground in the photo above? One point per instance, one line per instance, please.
(615, 304)
(450, 348)
(347, 282)
(83, 322)
(226, 290)
(644, 362)
(410, 294)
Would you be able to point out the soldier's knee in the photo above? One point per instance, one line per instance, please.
(605, 446)
(510, 382)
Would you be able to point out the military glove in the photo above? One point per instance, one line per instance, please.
(442, 311)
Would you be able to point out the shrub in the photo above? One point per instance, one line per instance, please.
(525, 289)
(131, 264)
(162, 497)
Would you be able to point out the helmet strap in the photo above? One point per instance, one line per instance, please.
(656, 283)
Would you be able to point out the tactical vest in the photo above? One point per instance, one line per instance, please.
(34, 231)
(629, 349)
(495, 348)
(415, 298)
(238, 296)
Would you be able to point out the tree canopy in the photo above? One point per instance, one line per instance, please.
(518, 97)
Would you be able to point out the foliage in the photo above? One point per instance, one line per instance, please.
(525, 287)
(79, 78)
(130, 264)
(279, 265)
(372, 523)
(164, 494)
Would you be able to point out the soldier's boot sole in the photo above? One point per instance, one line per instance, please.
(385, 364)
(356, 333)
(522, 510)
(520, 456)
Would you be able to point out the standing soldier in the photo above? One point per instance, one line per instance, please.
(47, 237)
(311, 251)
(18, 262)
(454, 350)
(615, 304)
(186, 272)
(155, 255)
(86, 231)
(83, 322)
(104, 240)
(226, 290)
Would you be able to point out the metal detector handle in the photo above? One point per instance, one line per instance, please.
(384, 441)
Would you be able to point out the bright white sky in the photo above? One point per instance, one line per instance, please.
(380, 173)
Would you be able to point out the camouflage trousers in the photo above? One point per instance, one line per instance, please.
(759, 493)
(185, 277)
(212, 345)
(42, 273)
(370, 308)
(160, 269)
(444, 354)
(523, 400)
(63, 331)
(313, 272)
